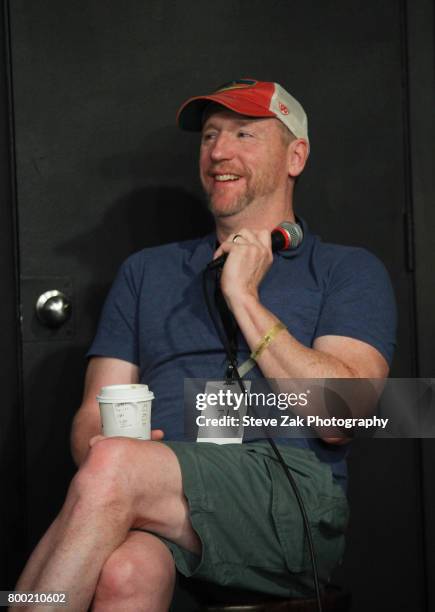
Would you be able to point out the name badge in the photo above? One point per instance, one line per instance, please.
(221, 420)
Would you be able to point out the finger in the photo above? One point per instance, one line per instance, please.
(95, 439)
(265, 237)
(262, 239)
(227, 247)
(236, 237)
(244, 237)
(254, 236)
(157, 434)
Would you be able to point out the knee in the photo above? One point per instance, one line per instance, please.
(103, 477)
(119, 580)
(126, 577)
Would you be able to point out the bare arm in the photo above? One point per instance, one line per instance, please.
(286, 357)
(101, 371)
(330, 357)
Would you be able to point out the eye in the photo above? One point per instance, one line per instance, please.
(244, 134)
(208, 136)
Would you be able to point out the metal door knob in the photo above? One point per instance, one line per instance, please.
(53, 308)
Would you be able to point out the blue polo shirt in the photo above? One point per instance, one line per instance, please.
(155, 316)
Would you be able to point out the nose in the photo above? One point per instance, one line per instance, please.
(222, 147)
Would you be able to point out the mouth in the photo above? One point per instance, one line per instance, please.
(225, 178)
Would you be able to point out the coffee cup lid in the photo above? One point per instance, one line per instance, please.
(125, 393)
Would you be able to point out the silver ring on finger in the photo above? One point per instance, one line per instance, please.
(237, 236)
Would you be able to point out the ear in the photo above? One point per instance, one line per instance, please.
(298, 155)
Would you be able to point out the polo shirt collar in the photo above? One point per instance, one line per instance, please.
(202, 253)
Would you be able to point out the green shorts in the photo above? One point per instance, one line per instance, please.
(245, 512)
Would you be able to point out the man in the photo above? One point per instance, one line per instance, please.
(220, 513)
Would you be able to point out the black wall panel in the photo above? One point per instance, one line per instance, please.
(421, 73)
(12, 501)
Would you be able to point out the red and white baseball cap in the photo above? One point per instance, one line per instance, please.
(251, 98)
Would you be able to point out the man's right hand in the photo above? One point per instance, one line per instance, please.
(156, 436)
(101, 371)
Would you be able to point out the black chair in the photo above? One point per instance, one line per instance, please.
(334, 599)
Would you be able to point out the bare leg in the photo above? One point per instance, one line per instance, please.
(37, 559)
(138, 577)
(123, 483)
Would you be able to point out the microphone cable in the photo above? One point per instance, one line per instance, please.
(210, 280)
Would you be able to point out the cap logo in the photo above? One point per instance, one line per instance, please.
(239, 84)
(283, 108)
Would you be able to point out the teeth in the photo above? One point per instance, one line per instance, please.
(226, 177)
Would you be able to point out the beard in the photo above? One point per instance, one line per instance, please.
(233, 208)
(258, 188)
(240, 201)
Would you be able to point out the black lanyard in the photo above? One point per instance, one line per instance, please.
(223, 319)
(230, 326)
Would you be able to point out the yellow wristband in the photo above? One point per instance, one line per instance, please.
(267, 339)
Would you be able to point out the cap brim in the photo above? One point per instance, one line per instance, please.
(190, 114)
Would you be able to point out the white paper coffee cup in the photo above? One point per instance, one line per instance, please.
(126, 411)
